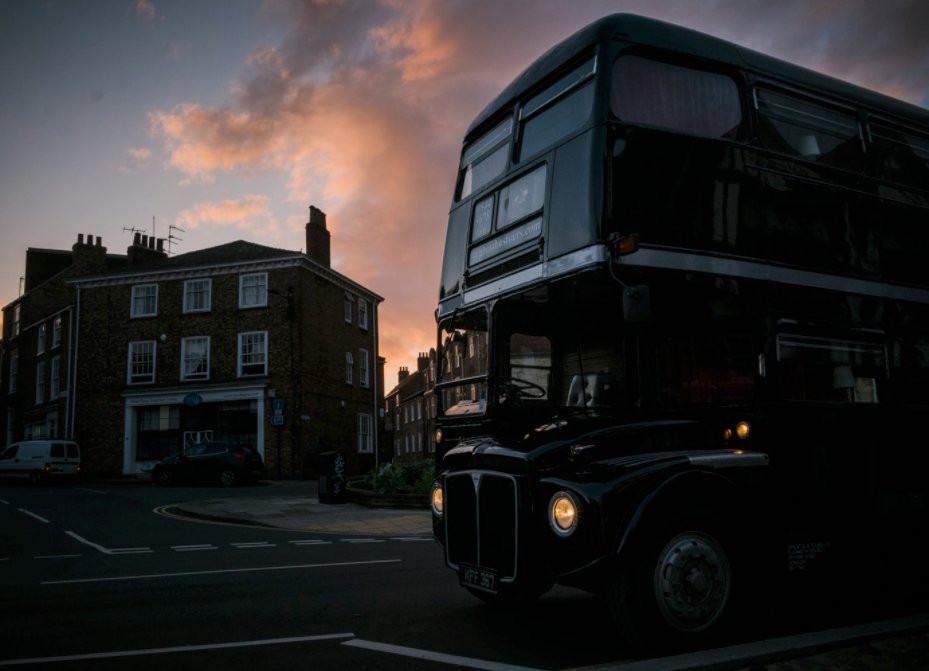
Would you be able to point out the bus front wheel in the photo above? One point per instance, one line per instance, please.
(677, 587)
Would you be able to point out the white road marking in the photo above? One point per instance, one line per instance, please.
(193, 548)
(411, 539)
(249, 546)
(442, 658)
(83, 540)
(180, 648)
(130, 551)
(87, 489)
(311, 542)
(152, 576)
(361, 540)
(33, 515)
(56, 556)
(4, 502)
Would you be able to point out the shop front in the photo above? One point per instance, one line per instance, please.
(162, 423)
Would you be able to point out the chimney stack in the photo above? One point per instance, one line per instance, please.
(403, 374)
(317, 237)
(145, 249)
(87, 258)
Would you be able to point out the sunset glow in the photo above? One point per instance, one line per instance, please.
(229, 124)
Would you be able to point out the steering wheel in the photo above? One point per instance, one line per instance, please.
(520, 388)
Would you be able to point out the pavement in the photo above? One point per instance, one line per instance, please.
(308, 513)
(889, 645)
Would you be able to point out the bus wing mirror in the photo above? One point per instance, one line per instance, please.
(637, 304)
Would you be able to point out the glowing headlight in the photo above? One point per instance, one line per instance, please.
(743, 430)
(563, 514)
(438, 500)
(438, 436)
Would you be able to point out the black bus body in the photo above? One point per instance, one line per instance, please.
(684, 333)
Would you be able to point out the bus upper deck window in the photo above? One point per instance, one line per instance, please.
(485, 158)
(808, 129)
(901, 155)
(674, 97)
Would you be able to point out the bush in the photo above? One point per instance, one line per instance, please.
(413, 478)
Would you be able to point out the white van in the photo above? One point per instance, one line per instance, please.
(41, 459)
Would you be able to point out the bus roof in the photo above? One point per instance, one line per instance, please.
(643, 31)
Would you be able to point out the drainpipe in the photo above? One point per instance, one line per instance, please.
(74, 327)
(373, 367)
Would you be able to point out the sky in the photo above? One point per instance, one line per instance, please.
(227, 119)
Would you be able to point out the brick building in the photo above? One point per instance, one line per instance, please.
(237, 342)
(410, 411)
(37, 346)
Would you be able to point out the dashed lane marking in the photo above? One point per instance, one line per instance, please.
(33, 515)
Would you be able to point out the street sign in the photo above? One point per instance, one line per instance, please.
(277, 420)
(278, 406)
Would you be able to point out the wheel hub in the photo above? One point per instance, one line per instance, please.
(692, 581)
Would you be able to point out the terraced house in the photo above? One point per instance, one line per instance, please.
(240, 342)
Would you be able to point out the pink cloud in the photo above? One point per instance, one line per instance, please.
(250, 213)
(363, 112)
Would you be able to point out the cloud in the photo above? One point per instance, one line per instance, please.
(362, 106)
(146, 10)
(250, 213)
(139, 154)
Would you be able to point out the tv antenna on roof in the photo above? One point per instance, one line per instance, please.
(172, 237)
(133, 230)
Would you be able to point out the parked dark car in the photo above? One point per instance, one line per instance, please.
(224, 464)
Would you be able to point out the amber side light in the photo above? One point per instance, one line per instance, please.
(624, 244)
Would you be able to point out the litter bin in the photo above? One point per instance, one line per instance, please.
(332, 477)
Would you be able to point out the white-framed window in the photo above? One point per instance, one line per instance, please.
(363, 314)
(14, 371)
(16, 320)
(197, 295)
(144, 300)
(365, 433)
(141, 367)
(253, 353)
(349, 368)
(56, 332)
(40, 382)
(363, 368)
(195, 358)
(41, 338)
(54, 381)
(348, 308)
(253, 290)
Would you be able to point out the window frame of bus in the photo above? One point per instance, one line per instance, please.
(763, 88)
(884, 148)
(578, 80)
(735, 132)
(494, 144)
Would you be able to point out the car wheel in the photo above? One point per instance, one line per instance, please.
(227, 477)
(676, 589)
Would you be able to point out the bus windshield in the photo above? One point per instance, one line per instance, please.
(463, 370)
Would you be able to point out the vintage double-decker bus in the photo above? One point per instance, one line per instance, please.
(683, 330)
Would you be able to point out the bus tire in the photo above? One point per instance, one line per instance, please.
(676, 588)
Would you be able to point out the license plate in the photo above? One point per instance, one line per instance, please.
(478, 578)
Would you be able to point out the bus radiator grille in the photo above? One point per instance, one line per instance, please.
(481, 521)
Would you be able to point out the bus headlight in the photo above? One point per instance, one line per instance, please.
(563, 514)
(438, 500)
(743, 430)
